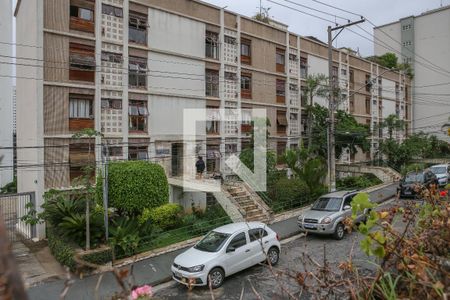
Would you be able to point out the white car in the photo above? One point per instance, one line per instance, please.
(224, 251)
(442, 173)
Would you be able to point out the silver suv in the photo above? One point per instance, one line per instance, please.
(327, 213)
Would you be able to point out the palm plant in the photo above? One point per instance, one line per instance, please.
(393, 124)
(315, 85)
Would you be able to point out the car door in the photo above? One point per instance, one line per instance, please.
(238, 254)
(258, 244)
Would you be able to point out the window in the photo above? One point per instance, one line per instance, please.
(367, 105)
(79, 158)
(230, 40)
(281, 87)
(282, 122)
(303, 97)
(212, 45)
(303, 67)
(212, 83)
(115, 151)
(138, 153)
(137, 28)
(293, 87)
(82, 62)
(352, 102)
(137, 112)
(280, 60)
(137, 72)
(212, 127)
(406, 27)
(335, 73)
(344, 72)
(246, 86)
(112, 57)
(112, 11)
(293, 57)
(368, 83)
(111, 103)
(82, 15)
(407, 43)
(80, 108)
(238, 241)
(256, 234)
(246, 52)
(230, 76)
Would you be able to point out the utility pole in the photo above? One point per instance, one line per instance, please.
(332, 105)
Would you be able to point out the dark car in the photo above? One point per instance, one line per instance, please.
(411, 180)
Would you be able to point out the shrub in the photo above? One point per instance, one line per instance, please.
(189, 220)
(289, 193)
(98, 258)
(124, 235)
(357, 182)
(61, 249)
(167, 216)
(134, 186)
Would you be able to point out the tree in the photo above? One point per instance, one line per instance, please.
(349, 133)
(85, 180)
(315, 86)
(308, 167)
(388, 60)
(247, 154)
(393, 124)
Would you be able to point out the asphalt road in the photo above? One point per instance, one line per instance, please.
(261, 279)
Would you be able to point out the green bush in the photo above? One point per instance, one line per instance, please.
(167, 216)
(124, 235)
(288, 194)
(98, 258)
(134, 186)
(358, 182)
(61, 249)
(189, 219)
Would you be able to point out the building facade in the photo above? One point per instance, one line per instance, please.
(129, 68)
(424, 42)
(6, 95)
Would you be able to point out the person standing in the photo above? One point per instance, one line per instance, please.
(200, 166)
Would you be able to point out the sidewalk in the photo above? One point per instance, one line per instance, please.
(156, 270)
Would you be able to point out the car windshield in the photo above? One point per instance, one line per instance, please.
(212, 242)
(327, 204)
(439, 170)
(410, 178)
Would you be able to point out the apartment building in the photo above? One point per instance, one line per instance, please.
(6, 95)
(424, 42)
(128, 68)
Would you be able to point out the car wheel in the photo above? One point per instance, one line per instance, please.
(273, 255)
(216, 277)
(339, 232)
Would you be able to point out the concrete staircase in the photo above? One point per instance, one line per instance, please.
(251, 206)
(385, 174)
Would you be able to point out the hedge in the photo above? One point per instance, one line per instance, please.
(61, 249)
(167, 216)
(134, 186)
(288, 193)
(99, 258)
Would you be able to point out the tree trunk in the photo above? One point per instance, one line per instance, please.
(310, 122)
(88, 231)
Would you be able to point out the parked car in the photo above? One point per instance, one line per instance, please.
(442, 173)
(412, 179)
(224, 251)
(327, 213)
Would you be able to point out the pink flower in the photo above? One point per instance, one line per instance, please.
(143, 291)
(444, 193)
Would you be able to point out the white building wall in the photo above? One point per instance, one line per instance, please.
(388, 44)
(29, 31)
(172, 33)
(388, 87)
(431, 42)
(6, 95)
(316, 66)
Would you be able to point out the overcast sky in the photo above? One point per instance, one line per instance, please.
(378, 11)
